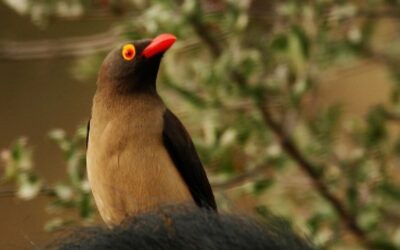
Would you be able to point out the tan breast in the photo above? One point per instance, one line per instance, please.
(129, 169)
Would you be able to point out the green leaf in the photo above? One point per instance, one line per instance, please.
(85, 205)
(376, 129)
(384, 245)
(315, 222)
(56, 224)
(29, 186)
(261, 185)
(280, 43)
(352, 197)
(390, 190)
(263, 211)
(303, 39)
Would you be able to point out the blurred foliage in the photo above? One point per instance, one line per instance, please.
(243, 73)
(72, 194)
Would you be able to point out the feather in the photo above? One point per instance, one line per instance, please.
(180, 147)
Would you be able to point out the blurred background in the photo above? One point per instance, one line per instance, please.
(294, 107)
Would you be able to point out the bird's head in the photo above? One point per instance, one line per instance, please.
(133, 66)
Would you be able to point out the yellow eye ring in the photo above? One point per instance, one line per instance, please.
(128, 52)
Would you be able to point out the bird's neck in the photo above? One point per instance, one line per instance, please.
(113, 103)
(145, 86)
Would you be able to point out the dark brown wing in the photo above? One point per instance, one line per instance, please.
(183, 153)
(87, 133)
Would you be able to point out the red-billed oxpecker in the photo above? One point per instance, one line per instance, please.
(139, 155)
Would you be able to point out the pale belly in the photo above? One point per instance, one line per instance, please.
(131, 176)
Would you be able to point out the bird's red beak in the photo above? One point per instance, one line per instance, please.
(159, 44)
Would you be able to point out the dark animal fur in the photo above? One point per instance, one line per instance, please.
(188, 229)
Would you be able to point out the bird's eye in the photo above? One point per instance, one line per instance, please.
(128, 52)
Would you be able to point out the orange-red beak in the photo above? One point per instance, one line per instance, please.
(159, 44)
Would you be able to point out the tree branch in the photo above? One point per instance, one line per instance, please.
(4, 193)
(291, 148)
(76, 46)
(392, 116)
(207, 37)
(12, 192)
(240, 179)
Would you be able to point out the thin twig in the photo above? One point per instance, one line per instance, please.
(77, 46)
(387, 13)
(207, 37)
(240, 179)
(391, 116)
(8, 193)
(12, 192)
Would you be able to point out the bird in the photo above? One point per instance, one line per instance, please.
(139, 155)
